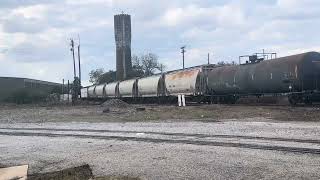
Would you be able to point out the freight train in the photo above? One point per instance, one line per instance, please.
(296, 76)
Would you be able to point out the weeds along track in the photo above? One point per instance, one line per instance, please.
(200, 139)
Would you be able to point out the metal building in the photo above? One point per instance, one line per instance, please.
(122, 29)
(12, 88)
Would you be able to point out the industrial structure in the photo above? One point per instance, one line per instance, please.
(122, 29)
(15, 89)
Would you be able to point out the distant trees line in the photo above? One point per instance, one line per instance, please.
(142, 66)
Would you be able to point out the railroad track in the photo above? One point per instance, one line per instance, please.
(201, 142)
(198, 135)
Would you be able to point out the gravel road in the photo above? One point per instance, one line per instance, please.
(246, 149)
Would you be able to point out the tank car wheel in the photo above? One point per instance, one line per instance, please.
(307, 100)
(293, 100)
(233, 99)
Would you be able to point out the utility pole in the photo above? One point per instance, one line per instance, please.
(208, 58)
(183, 51)
(74, 61)
(62, 86)
(74, 95)
(68, 91)
(79, 64)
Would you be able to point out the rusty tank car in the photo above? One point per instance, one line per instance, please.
(188, 82)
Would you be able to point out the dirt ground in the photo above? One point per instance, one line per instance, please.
(83, 172)
(95, 113)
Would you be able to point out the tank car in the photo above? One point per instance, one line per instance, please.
(128, 88)
(297, 75)
(99, 91)
(185, 82)
(152, 86)
(91, 91)
(111, 90)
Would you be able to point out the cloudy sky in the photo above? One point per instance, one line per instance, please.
(34, 34)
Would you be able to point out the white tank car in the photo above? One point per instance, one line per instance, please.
(151, 86)
(128, 88)
(99, 91)
(91, 91)
(111, 90)
(185, 82)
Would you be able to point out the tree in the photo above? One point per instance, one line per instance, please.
(107, 77)
(137, 70)
(162, 67)
(99, 76)
(149, 63)
(143, 65)
(146, 65)
(95, 75)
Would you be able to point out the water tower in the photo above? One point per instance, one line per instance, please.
(122, 29)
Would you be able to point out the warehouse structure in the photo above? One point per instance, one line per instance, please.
(15, 89)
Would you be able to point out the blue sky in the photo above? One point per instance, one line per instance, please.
(34, 34)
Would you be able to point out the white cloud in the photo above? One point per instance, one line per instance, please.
(36, 11)
(34, 35)
(91, 2)
(297, 4)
